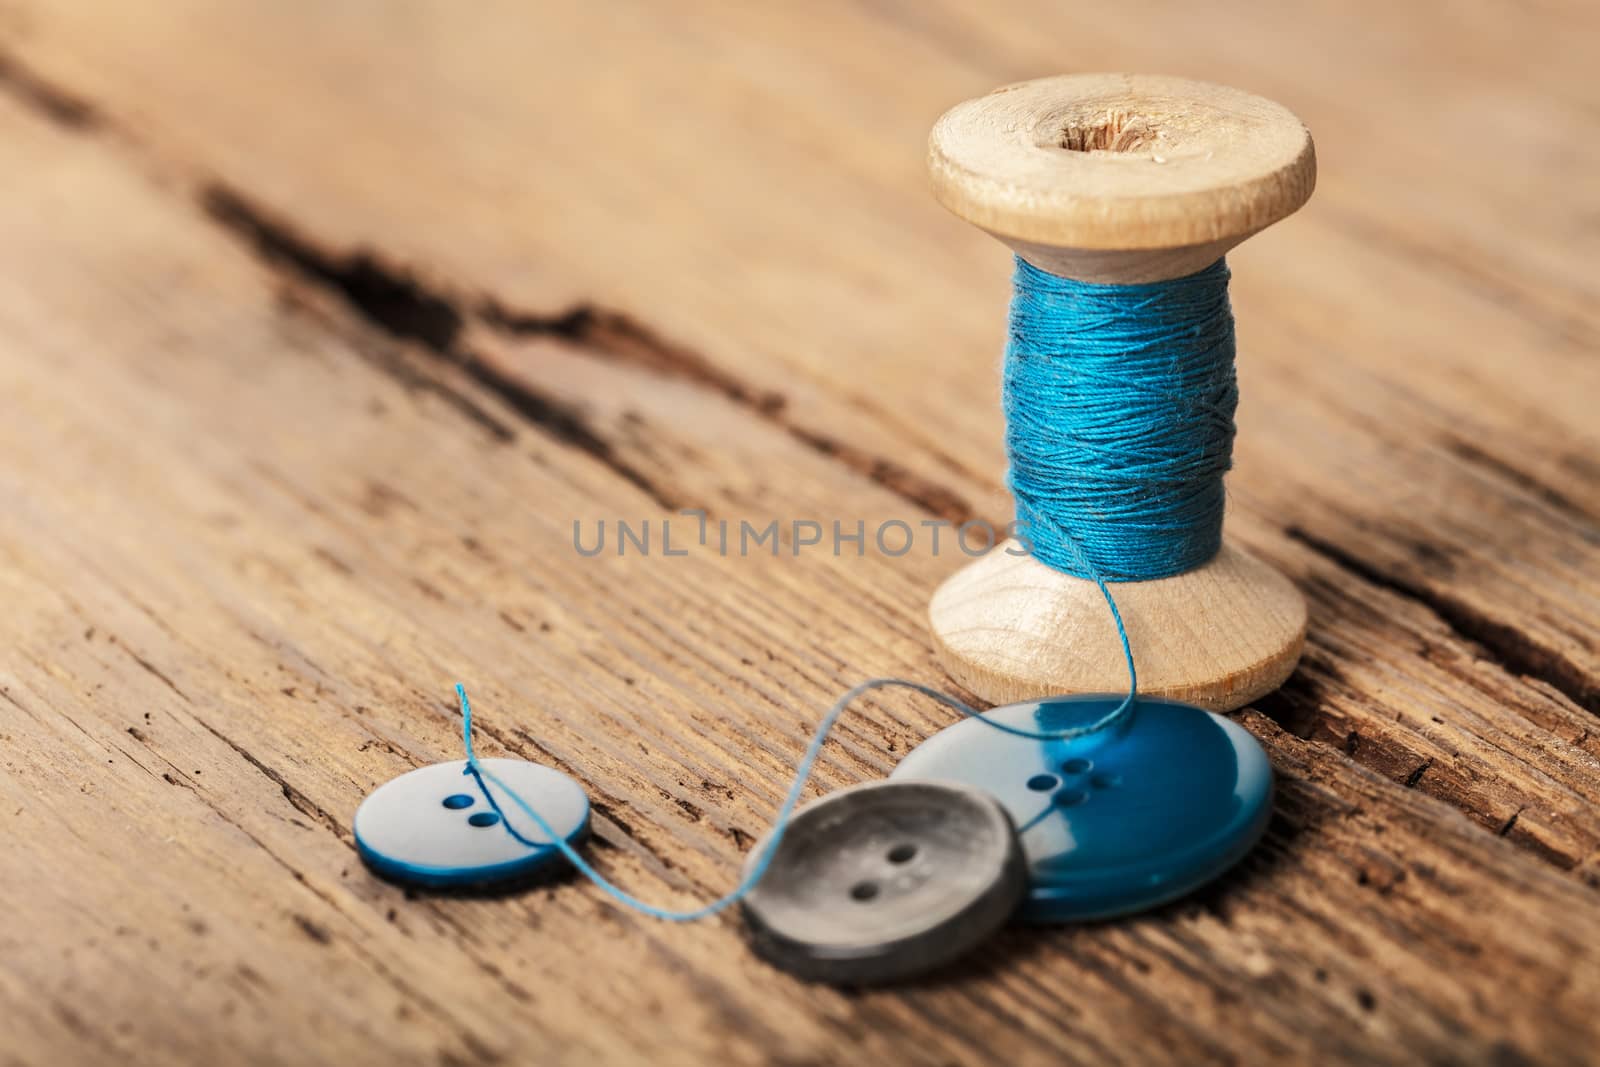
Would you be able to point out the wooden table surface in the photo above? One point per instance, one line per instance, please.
(322, 323)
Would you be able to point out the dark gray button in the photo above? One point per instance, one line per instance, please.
(886, 880)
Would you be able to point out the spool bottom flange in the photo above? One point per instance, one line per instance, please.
(1118, 821)
(1010, 628)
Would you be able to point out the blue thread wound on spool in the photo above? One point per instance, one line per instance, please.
(1119, 404)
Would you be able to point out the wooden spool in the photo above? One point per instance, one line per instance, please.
(1118, 179)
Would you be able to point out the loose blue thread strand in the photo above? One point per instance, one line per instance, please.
(483, 777)
(1119, 403)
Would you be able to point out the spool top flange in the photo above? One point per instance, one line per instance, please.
(1121, 178)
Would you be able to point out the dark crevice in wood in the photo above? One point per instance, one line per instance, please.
(1512, 650)
(1542, 491)
(905, 419)
(301, 803)
(568, 425)
(150, 668)
(404, 307)
(1416, 776)
(612, 335)
(410, 309)
(908, 485)
(312, 929)
(44, 98)
(1296, 705)
(388, 359)
(1304, 707)
(391, 299)
(625, 340)
(152, 671)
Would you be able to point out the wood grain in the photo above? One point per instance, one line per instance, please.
(324, 325)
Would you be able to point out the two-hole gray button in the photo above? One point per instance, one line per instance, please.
(886, 880)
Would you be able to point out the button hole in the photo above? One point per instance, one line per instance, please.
(1070, 798)
(902, 853)
(864, 891)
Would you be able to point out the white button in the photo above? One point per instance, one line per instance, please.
(433, 826)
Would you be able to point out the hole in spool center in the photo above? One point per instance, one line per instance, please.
(1110, 131)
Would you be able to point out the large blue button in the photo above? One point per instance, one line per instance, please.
(1120, 820)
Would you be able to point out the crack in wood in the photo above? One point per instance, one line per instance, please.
(1540, 490)
(1514, 651)
(45, 98)
(1415, 776)
(150, 668)
(613, 335)
(301, 803)
(904, 483)
(1303, 707)
(1509, 824)
(312, 929)
(397, 303)
(391, 360)
(625, 340)
(401, 305)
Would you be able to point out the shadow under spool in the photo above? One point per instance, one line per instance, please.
(1120, 179)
